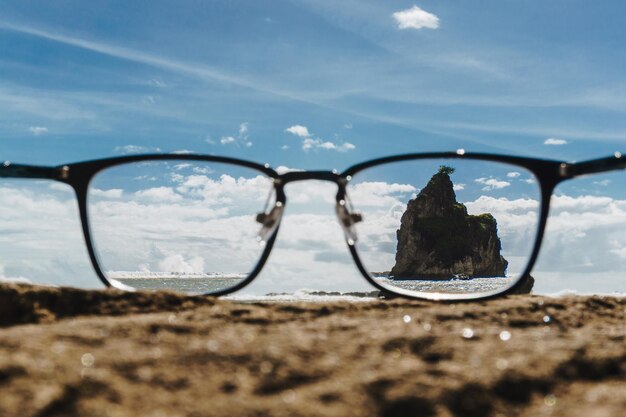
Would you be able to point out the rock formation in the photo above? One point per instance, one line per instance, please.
(437, 239)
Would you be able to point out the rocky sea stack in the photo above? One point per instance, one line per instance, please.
(437, 239)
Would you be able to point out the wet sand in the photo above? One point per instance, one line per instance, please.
(67, 352)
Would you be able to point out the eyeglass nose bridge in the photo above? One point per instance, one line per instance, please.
(347, 219)
(293, 176)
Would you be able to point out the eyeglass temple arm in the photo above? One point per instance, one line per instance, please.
(594, 166)
(10, 170)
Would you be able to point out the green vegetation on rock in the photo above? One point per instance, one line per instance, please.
(446, 169)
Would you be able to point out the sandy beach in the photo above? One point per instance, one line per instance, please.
(68, 352)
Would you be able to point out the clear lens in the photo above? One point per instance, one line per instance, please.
(181, 225)
(447, 228)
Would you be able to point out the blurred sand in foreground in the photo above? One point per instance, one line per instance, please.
(68, 352)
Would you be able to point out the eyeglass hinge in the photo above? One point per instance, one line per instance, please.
(565, 170)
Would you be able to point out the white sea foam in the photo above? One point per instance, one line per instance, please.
(570, 292)
(18, 280)
(306, 295)
(172, 275)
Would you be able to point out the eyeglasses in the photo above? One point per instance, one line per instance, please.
(448, 226)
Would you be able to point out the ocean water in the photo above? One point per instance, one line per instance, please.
(196, 286)
(450, 286)
(207, 283)
(182, 284)
(203, 284)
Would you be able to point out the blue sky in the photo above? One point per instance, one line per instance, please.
(82, 80)
(316, 85)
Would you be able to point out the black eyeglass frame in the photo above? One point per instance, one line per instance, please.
(549, 173)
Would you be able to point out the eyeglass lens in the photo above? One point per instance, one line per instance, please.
(451, 227)
(186, 226)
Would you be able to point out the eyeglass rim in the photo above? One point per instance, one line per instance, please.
(549, 173)
(544, 172)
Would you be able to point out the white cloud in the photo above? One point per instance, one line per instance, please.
(282, 169)
(202, 170)
(159, 194)
(513, 174)
(284, 147)
(226, 189)
(193, 181)
(486, 204)
(603, 183)
(316, 194)
(59, 186)
(145, 178)
(582, 203)
(38, 130)
(492, 183)
(416, 18)
(310, 143)
(177, 263)
(242, 138)
(182, 166)
(380, 194)
(458, 187)
(112, 193)
(129, 149)
(299, 130)
(379, 188)
(555, 142)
